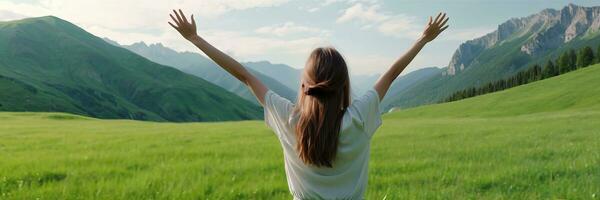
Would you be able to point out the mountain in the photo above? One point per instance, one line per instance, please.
(198, 65)
(48, 64)
(288, 76)
(541, 33)
(361, 83)
(407, 81)
(515, 45)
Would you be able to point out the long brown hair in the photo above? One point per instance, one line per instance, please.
(323, 99)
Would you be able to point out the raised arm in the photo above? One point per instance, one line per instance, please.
(188, 30)
(432, 30)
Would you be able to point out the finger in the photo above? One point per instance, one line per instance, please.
(175, 27)
(442, 16)
(178, 17)
(183, 16)
(193, 21)
(437, 18)
(445, 27)
(444, 22)
(175, 20)
(430, 20)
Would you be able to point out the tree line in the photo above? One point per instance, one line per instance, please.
(568, 61)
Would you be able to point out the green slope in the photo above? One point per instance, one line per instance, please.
(537, 141)
(577, 91)
(48, 64)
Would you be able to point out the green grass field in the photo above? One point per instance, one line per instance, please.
(538, 141)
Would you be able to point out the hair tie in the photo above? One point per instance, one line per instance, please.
(310, 91)
(317, 89)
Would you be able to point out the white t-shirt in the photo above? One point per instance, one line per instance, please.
(347, 179)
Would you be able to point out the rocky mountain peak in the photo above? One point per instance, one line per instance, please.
(543, 31)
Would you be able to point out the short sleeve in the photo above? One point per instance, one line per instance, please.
(367, 107)
(277, 112)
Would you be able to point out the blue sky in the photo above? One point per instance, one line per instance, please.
(370, 33)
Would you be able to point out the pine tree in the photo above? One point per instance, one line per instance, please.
(598, 54)
(572, 59)
(564, 63)
(549, 70)
(535, 73)
(538, 72)
(585, 57)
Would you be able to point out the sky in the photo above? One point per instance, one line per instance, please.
(370, 34)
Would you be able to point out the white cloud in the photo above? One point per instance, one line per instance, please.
(371, 17)
(128, 18)
(368, 64)
(290, 28)
(329, 2)
(6, 15)
(362, 13)
(400, 26)
(404, 27)
(130, 13)
(315, 9)
(324, 3)
(254, 45)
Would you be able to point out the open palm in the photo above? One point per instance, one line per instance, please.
(435, 27)
(185, 28)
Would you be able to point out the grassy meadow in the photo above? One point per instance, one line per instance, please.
(537, 141)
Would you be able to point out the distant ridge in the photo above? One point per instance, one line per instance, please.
(198, 65)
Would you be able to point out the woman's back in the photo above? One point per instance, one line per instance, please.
(347, 178)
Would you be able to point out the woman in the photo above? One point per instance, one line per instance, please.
(325, 137)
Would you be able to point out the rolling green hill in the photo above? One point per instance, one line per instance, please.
(48, 64)
(537, 141)
(574, 91)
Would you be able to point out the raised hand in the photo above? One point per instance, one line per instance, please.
(185, 28)
(432, 30)
(435, 27)
(188, 30)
